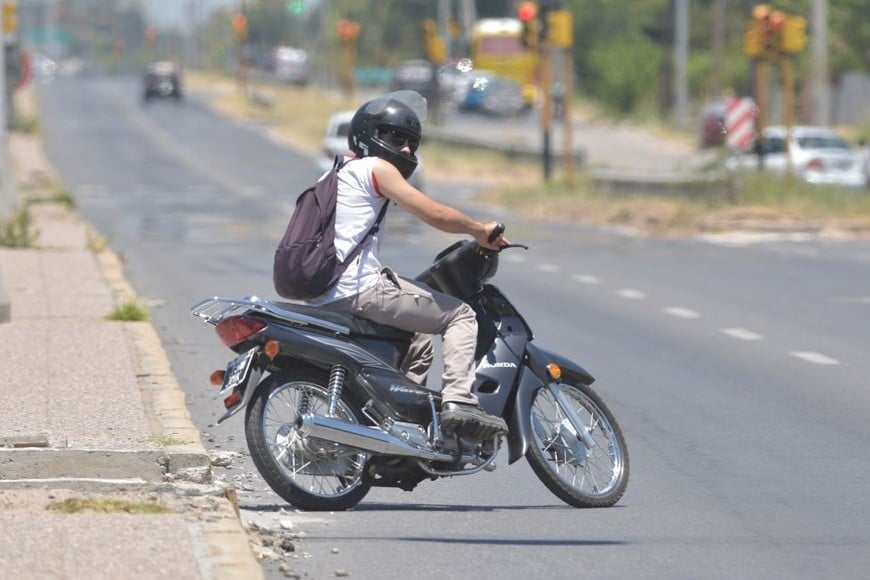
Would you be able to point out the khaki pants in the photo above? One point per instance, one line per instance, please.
(413, 306)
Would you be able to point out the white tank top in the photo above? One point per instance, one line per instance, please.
(357, 207)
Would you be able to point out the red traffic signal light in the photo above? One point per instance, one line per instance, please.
(527, 11)
(240, 25)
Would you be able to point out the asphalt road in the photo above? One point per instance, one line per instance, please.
(738, 371)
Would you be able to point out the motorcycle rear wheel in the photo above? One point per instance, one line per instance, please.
(579, 476)
(312, 474)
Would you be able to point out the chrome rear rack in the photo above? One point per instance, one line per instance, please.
(216, 309)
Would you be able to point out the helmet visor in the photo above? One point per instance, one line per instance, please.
(412, 99)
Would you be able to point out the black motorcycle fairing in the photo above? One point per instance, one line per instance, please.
(533, 376)
(538, 358)
(519, 417)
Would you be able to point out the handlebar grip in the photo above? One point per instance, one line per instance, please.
(496, 232)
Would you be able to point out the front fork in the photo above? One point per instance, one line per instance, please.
(580, 429)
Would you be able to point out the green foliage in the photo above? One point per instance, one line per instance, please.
(130, 310)
(74, 505)
(18, 231)
(625, 70)
(623, 49)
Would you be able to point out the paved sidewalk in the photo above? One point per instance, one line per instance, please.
(91, 415)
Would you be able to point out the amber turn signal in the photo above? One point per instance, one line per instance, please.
(217, 378)
(272, 348)
(554, 371)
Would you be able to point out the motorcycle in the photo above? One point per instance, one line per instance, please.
(328, 415)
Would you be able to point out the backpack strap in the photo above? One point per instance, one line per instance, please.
(372, 231)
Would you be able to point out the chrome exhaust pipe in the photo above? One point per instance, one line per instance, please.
(362, 437)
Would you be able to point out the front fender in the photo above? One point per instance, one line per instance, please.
(533, 376)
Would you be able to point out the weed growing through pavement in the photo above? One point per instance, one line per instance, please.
(60, 195)
(168, 441)
(131, 310)
(75, 505)
(18, 231)
(95, 242)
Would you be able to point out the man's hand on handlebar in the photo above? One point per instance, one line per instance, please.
(493, 239)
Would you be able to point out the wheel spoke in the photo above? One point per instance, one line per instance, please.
(599, 470)
(326, 470)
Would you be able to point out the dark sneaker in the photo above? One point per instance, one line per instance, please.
(471, 419)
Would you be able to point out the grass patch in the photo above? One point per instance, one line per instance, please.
(168, 441)
(26, 124)
(18, 231)
(107, 506)
(753, 198)
(60, 195)
(95, 242)
(517, 183)
(130, 310)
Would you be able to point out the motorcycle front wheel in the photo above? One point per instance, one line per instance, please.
(310, 473)
(580, 476)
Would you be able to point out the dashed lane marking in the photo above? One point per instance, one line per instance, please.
(681, 312)
(630, 294)
(549, 267)
(587, 279)
(814, 357)
(741, 333)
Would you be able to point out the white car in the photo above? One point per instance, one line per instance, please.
(816, 155)
(335, 143)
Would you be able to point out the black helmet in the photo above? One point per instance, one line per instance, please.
(400, 113)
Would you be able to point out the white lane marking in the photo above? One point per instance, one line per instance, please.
(747, 238)
(814, 357)
(514, 257)
(549, 267)
(587, 279)
(680, 312)
(741, 333)
(630, 294)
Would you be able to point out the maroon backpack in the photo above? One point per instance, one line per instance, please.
(306, 265)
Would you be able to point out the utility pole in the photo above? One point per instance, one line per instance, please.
(8, 203)
(681, 51)
(716, 44)
(819, 49)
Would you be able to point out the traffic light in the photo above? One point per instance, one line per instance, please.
(240, 25)
(296, 6)
(560, 31)
(764, 37)
(527, 12)
(794, 35)
(348, 30)
(10, 17)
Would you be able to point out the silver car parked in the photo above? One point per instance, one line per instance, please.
(815, 154)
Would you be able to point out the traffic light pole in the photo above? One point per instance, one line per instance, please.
(547, 109)
(7, 195)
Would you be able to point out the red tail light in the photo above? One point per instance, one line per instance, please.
(234, 330)
(816, 165)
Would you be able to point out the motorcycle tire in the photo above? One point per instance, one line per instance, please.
(581, 477)
(312, 474)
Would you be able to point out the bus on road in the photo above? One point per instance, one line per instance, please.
(497, 46)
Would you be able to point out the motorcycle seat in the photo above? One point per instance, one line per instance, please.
(358, 326)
